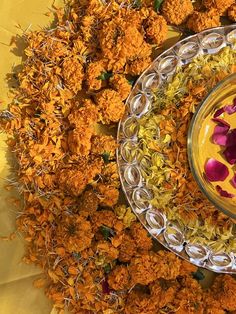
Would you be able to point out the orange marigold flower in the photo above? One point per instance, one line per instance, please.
(108, 194)
(200, 21)
(141, 236)
(187, 268)
(120, 40)
(106, 249)
(118, 278)
(110, 106)
(73, 73)
(142, 269)
(169, 265)
(86, 115)
(221, 6)
(232, 12)
(156, 28)
(94, 72)
(140, 303)
(189, 297)
(212, 306)
(120, 84)
(104, 144)
(127, 249)
(86, 26)
(163, 292)
(88, 203)
(110, 174)
(103, 218)
(75, 232)
(224, 290)
(43, 46)
(83, 121)
(148, 267)
(74, 180)
(78, 141)
(137, 66)
(176, 11)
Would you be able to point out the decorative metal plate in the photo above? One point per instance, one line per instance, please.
(169, 234)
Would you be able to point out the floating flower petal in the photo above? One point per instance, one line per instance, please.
(230, 109)
(223, 192)
(220, 139)
(233, 181)
(231, 138)
(220, 132)
(221, 122)
(219, 112)
(215, 170)
(230, 154)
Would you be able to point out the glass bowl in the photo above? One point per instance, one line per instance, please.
(198, 147)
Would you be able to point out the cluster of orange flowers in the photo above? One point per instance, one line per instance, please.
(199, 15)
(96, 258)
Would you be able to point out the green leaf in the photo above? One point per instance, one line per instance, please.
(136, 4)
(107, 268)
(198, 275)
(132, 80)
(76, 255)
(106, 232)
(104, 76)
(105, 157)
(157, 4)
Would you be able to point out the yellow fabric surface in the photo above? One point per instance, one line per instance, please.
(17, 295)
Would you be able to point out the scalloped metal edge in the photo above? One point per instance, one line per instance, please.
(196, 253)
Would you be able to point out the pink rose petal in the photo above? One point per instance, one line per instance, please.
(221, 122)
(230, 109)
(220, 132)
(230, 154)
(223, 192)
(233, 181)
(222, 129)
(215, 170)
(219, 112)
(220, 139)
(223, 137)
(231, 138)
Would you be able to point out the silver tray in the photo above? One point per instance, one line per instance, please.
(139, 103)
